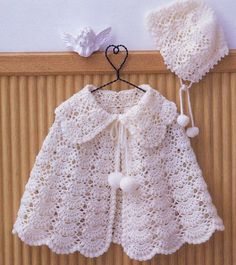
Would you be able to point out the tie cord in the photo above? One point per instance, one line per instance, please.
(183, 119)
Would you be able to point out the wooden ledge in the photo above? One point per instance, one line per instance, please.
(48, 63)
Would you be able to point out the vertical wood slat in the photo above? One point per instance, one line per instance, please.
(27, 111)
(207, 143)
(15, 158)
(24, 149)
(226, 168)
(6, 169)
(233, 172)
(217, 159)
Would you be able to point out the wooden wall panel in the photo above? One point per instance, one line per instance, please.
(27, 104)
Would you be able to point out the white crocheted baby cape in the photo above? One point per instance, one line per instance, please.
(69, 204)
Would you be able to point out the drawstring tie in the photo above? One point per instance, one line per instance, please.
(183, 120)
(116, 179)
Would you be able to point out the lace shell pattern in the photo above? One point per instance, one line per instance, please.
(69, 206)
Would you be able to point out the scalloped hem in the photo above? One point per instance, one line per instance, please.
(47, 242)
(197, 240)
(149, 256)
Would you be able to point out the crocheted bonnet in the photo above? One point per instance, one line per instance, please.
(190, 41)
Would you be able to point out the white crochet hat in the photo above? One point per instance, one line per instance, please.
(191, 42)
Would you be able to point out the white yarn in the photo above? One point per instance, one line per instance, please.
(183, 120)
(188, 36)
(114, 179)
(68, 203)
(190, 41)
(119, 133)
(192, 132)
(128, 184)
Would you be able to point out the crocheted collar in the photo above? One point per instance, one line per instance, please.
(82, 117)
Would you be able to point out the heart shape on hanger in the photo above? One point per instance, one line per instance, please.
(116, 50)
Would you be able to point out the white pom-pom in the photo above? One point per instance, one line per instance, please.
(192, 132)
(183, 120)
(128, 184)
(183, 87)
(114, 179)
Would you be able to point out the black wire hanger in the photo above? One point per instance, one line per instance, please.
(116, 50)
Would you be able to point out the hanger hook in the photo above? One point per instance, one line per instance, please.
(116, 50)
